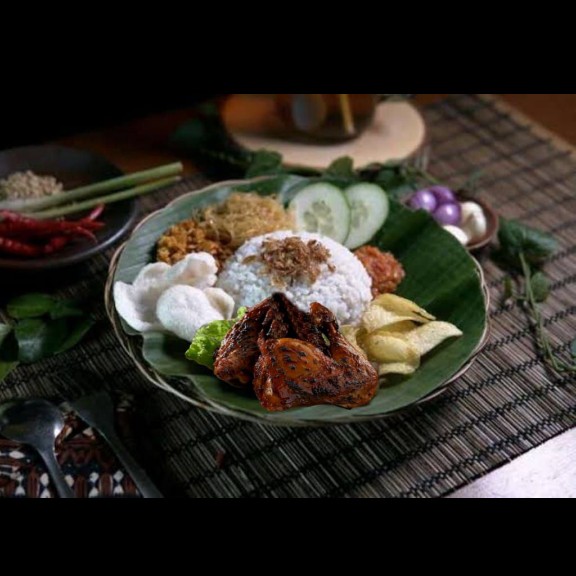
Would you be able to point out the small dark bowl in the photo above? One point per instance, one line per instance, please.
(73, 168)
(492, 219)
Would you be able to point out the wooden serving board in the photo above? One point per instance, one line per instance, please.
(398, 132)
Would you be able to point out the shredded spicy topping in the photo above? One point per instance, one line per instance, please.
(291, 260)
(243, 216)
(221, 229)
(386, 272)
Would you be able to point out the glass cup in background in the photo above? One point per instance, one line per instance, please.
(330, 117)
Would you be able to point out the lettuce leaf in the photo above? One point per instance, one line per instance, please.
(209, 338)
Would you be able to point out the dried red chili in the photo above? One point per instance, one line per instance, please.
(29, 237)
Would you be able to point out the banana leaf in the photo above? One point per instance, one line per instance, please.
(441, 277)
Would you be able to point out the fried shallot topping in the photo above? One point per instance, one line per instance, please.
(292, 260)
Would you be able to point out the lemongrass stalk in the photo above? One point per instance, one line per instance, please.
(108, 199)
(347, 115)
(104, 187)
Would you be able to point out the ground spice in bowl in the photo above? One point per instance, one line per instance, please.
(22, 185)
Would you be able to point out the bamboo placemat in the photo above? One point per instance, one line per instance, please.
(507, 404)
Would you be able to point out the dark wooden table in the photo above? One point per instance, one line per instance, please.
(547, 471)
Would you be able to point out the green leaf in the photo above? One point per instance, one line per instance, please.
(400, 192)
(516, 239)
(8, 351)
(34, 337)
(6, 368)
(540, 287)
(168, 355)
(208, 340)
(31, 336)
(66, 309)
(573, 349)
(396, 183)
(204, 131)
(30, 306)
(341, 170)
(508, 288)
(265, 163)
(390, 178)
(8, 344)
(5, 330)
(191, 136)
(76, 332)
(206, 140)
(38, 339)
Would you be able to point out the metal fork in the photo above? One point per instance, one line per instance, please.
(96, 408)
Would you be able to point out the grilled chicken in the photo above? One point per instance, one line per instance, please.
(292, 373)
(285, 353)
(277, 317)
(238, 353)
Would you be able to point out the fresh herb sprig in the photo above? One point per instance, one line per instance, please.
(399, 179)
(523, 253)
(39, 326)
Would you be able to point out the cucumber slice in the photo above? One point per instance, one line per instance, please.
(322, 208)
(369, 206)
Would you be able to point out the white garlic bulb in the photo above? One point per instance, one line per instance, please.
(459, 234)
(474, 223)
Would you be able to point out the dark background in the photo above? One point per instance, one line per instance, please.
(29, 115)
(28, 120)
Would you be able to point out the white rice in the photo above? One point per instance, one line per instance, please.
(346, 291)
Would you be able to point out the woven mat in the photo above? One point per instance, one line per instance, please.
(507, 404)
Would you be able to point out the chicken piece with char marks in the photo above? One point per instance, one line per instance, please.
(295, 359)
(238, 353)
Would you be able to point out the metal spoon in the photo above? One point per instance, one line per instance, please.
(36, 423)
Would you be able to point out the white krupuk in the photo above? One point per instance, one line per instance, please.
(198, 270)
(138, 303)
(183, 310)
(221, 301)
